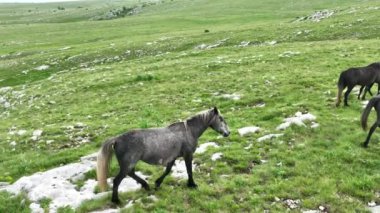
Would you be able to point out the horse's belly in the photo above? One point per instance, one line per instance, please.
(161, 155)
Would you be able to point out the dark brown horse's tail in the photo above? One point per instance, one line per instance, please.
(103, 162)
(366, 112)
(340, 89)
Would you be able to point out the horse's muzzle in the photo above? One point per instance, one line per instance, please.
(226, 134)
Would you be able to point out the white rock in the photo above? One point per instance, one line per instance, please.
(203, 147)
(247, 130)
(298, 120)
(372, 204)
(314, 125)
(36, 208)
(179, 169)
(13, 143)
(21, 132)
(248, 147)
(58, 186)
(36, 134)
(42, 67)
(233, 96)
(375, 209)
(216, 156)
(270, 136)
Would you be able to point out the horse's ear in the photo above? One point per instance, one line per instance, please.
(216, 111)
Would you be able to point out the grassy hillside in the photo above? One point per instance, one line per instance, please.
(153, 67)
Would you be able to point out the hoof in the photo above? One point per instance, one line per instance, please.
(364, 145)
(116, 201)
(192, 185)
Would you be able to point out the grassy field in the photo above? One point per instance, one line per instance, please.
(60, 67)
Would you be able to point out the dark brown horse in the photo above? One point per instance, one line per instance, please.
(363, 76)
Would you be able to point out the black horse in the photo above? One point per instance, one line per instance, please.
(364, 76)
(374, 102)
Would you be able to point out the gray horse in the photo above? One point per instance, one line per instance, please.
(159, 146)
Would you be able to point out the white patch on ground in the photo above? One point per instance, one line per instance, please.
(270, 136)
(248, 130)
(292, 204)
(216, 156)
(179, 169)
(210, 46)
(42, 67)
(317, 16)
(203, 147)
(36, 134)
(288, 54)
(65, 48)
(36, 208)
(248, 147)
(314, 125)
(57, 184)
(364, 104)
(232, 96)
(311, 211)
(375, 209)
(298, 120)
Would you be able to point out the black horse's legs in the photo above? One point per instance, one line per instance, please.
(116, 182)
(188, 161)
(349, 88)
(373, 128)
(141, 181)
(367, 89)
(378, 88)
(360, 91)
(167, 171)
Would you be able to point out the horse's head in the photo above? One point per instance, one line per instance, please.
(218, 123)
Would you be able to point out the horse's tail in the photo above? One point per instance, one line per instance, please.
(341, 85)
(366, 112)
(103, 162)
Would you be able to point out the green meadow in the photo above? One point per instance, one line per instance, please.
(151, 63)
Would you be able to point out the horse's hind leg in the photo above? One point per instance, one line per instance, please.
(189, 165)
(360, 91)
(167, 171)
(116, 182)
(141, 181)
(349, 88)
(373, 128)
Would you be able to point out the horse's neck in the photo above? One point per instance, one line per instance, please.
(196, 126)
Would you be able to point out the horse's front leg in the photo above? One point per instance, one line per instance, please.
(189, 165)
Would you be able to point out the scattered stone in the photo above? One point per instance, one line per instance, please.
(317, 16)
(314, 125)
(244, 43)
(248, 130)
(36, 134)
(36, 208)
(216, 156)
(80, 125)
(292, 204)
(311, 211)
(21, 132)
(210, 46)
(298, 119)
(13, 143)
(372, 204)
(58, 186)
(65, 48)
(153, 198)
(248, 147)
(288, 54)
(322, 208)
(3, 184)
(270, 136)
(233, 96)
(179, 169)
(42, 67)
(203, 147)
(375, 209)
